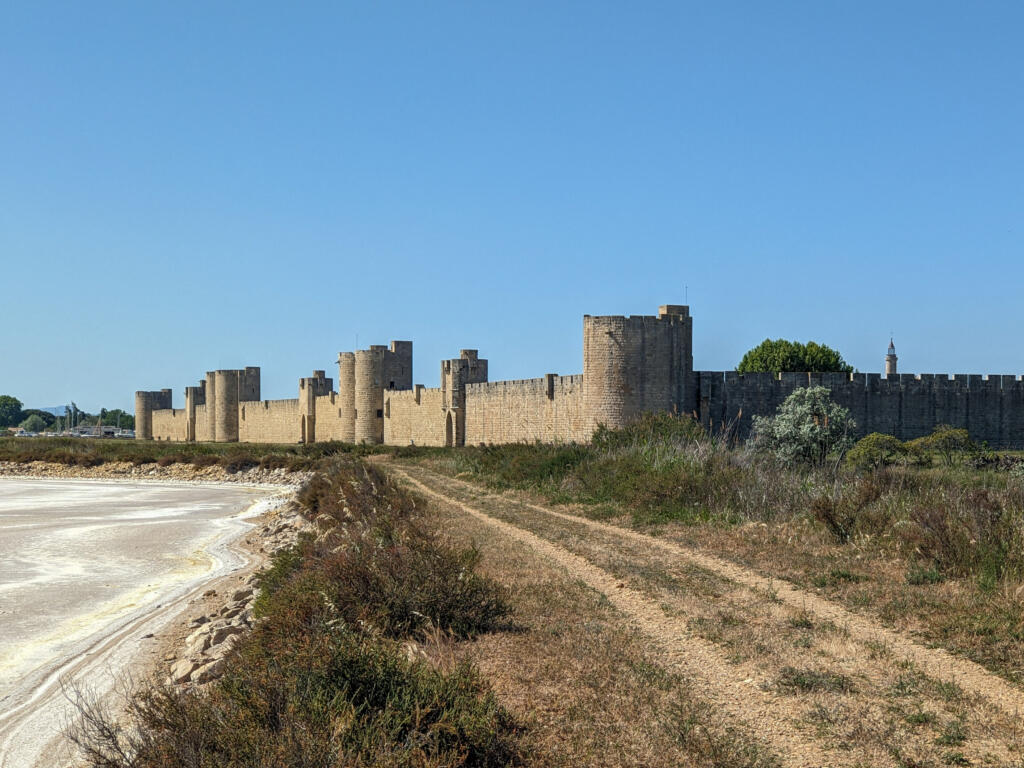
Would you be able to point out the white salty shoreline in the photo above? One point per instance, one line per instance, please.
(90, 569)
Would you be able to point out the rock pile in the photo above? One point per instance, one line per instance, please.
(214, 637)
(216, 634)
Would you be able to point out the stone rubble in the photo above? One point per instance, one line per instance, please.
(217, 633)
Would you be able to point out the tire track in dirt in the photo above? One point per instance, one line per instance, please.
(773, 718)
(934, 662)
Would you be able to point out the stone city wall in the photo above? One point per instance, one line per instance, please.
(170, 424)
(414, 417)
(329, 422)
(548, 409)
(270, 421)
(990, 408)
(630, 365)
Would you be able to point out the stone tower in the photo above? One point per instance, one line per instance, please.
(145, 404)
(890, 360)
(467, 368)
(636, 364)
(374, 370)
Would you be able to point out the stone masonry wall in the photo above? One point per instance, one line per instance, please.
(548, 409)
(270, 421)
(170, 424)
(202, 424)
(414, 417)
(990, 408)
(330, 421)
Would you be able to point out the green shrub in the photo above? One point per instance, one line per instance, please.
(807, 428)
(950, 444)
(306, 689)
(876, 450)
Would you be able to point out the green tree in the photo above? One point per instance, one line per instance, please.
(110, 418)
(782, 355)
(34, 423)
(10, 411)
(47, 417)
(806, 429)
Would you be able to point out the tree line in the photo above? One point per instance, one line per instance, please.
(13, 414)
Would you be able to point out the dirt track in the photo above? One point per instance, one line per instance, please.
(822, 685)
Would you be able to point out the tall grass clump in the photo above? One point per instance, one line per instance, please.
(324, 680)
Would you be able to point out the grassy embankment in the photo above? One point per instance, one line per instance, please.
(326, 678)
(234, 457)
(936, 550)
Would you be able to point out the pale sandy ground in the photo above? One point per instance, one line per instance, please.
(90, 571)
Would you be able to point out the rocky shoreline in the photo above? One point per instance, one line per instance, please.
(200, 657)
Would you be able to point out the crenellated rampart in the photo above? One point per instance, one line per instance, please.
(549, 409)
(270, 421)
(990, 408)
(631, 365)
(414, 416)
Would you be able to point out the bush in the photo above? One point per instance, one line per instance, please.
(966, 531)
(807, 428)
(306, 689)
(387, 569)
(876, 450)
(949, 443)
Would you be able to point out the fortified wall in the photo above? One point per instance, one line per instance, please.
(990, 408)
(630, 365)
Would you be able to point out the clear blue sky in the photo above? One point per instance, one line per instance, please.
(191, 186)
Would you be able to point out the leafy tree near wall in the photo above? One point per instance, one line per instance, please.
(783, 355)
(10, 411)
(807, 428)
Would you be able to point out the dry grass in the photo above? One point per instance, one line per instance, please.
(590, 690)
(864, 704)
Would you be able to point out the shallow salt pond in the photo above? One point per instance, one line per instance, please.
(87, 568)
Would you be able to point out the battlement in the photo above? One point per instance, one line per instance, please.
(631, 364)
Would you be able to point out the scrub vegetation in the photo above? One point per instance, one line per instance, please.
(327, 678)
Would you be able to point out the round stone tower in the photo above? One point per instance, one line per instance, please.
(211, 406)
(347, 396)
(890, 360)
(145, 404)
(369, 395)
(636, 364)
(226, 399)
(606, 370)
